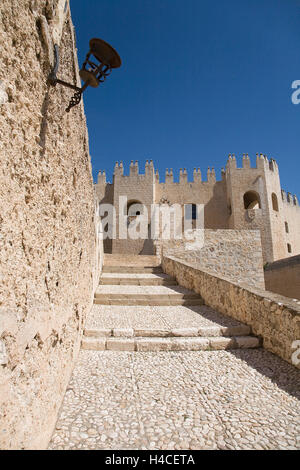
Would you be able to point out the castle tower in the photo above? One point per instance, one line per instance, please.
(255, 202)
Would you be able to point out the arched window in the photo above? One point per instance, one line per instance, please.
(134, 208)
(252, 200)
(275, 202)
(289, 248)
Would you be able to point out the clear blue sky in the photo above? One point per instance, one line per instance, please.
(200, 79)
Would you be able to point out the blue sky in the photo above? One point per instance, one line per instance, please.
(200, 79)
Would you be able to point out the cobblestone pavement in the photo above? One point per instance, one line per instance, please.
(246, 399)
(119, 316)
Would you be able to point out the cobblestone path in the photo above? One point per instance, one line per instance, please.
(217, 398)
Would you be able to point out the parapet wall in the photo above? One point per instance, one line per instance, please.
(274, 318)
(235, 255)
(50, 255)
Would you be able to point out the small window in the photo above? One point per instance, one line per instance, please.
(286, 227)
(275, 202)
(289, 248)
(190, 211)
(251, 200)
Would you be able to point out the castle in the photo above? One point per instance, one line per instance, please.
(247, 198)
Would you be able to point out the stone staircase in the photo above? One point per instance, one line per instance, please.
(131, 290)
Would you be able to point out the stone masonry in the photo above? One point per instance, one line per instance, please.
(232, 254)
(246, 198)
(274, 318)
(50, 256)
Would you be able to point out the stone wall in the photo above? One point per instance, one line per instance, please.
(232, 254)
(224, 205)
(291, 222)
(283, 277)
(50, 256)
(274, 318)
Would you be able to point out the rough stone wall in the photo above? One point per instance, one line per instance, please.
(274, 318)
(283, 277)
(49, 252)
(235, 255)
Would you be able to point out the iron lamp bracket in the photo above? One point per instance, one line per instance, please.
(53, 80)
(94, 70)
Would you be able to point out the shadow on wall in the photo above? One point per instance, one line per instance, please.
(44, 123)
(148, 247)
(108, 194)
(216, 213)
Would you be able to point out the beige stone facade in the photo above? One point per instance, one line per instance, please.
(50, 255)
(283, 277)
(246, 198)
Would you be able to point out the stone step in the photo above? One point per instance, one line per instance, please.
(130, 260)
(142, 279)
(204, 331)
(115, 299)
(143, 295)
(132, 269)
(148, 344)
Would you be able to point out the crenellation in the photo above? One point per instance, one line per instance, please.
(262, 162)
(231, 162)
(102, 177)
(273, 165)
(197, 177)
(169, 176)
(183, 177)
(246, 161)
(134, 168)
(290, 198)
(149, 168)
(211, 176)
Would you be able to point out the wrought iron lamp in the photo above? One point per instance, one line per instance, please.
(92, 72)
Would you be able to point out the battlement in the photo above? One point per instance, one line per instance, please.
(183, 176)
(134, 169)
(101, 177)
(289, 198)
(169, 174)
(262, 163)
